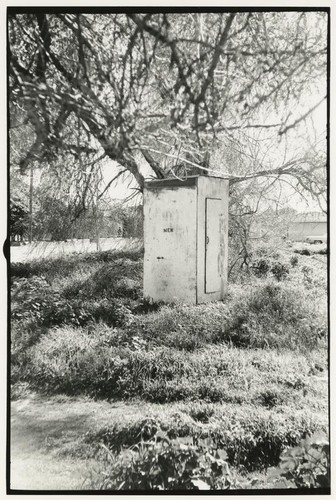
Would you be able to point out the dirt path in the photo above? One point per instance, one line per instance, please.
(34, 469)
(42, 427)
(34, 461)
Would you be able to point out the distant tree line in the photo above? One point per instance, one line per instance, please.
(52, 221)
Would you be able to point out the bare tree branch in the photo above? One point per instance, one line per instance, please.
(303, 117)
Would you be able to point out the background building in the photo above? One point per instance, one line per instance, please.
(307, 224)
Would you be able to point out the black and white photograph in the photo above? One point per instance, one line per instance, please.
(168, 250)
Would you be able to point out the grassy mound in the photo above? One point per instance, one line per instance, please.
(249, 373)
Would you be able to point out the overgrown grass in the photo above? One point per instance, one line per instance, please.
(248, 372)
(267, 314)
(81, 361)
(66, 265)
(251, 443)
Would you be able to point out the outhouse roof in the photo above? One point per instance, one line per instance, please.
(189, 181)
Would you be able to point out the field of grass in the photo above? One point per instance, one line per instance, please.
(237, 381)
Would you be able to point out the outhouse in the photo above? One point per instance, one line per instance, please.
(186, 239)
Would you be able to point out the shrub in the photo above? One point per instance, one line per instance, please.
(162, 461)
(254, 443)
(263, 266)
(164, 464)
(59, 311)
(294, 260)
(275, 315)
(121, 435)
(262, 445)
(34, 299)
(145, 306)
(111, 312)
(302, 251)
(29, 297)
(279, 270)
(306, 465)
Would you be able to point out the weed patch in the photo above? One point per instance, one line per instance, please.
(253, 443)
(103, 364)
(274, 315)
(267, 315)
(164, 464)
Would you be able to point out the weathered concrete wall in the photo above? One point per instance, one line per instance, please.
(170, 244)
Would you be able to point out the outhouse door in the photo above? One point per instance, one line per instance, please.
(213, 209)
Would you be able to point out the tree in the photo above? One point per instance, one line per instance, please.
(19, 222)
(170, 88)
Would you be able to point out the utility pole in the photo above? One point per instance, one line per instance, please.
(31, 187)
(96, 217)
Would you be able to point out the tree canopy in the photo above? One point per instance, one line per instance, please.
(178, 92)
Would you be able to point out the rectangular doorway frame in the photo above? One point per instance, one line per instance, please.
(217, 188)
(209, 281)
